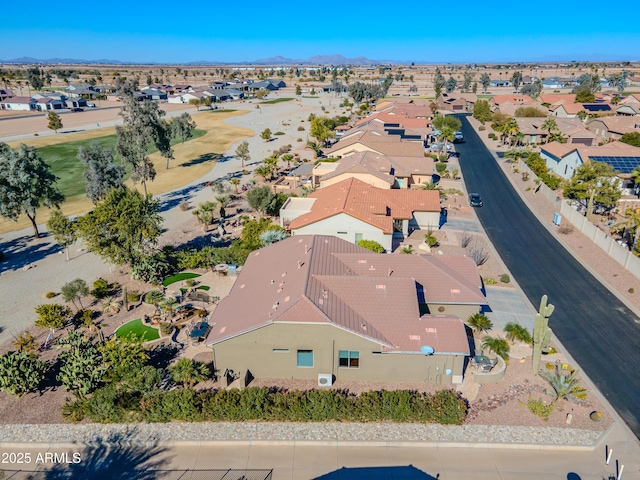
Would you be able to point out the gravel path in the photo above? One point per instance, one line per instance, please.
(145, 434)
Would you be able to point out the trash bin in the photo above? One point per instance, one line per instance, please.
(556, 218)
(232, 271)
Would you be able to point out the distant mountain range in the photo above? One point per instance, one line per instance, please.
(336, 59)
(278, 60)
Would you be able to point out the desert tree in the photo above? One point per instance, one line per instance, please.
(123, 227)
(26, 184)
(242, 152)
(485, 81)
(101, 172)
(62, 229)
(54, 121)
(143, 126)
(73, 292)
(182, 128)
(205, 214)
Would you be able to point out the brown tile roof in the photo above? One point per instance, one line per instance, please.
(375, 206)
(382, 166)
(558, 150)
(444, 279)
(570, 108)
(619, 124)
(410, 110)
(556, 98)
(18, 100)
(303, 279)
(381, 143)
(515, 99)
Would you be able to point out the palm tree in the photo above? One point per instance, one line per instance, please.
(517, 332)
(407, 249)
(549, 126)
(235, 182)
(480, 323)
(262, 171)
(631, 224)
(188, 372)
(566, 387)
(205, 214)
(223, 201)
(315, 146)
(497, 345)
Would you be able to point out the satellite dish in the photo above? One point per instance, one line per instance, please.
(427, 350)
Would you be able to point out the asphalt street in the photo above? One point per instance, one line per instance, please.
(597, 329)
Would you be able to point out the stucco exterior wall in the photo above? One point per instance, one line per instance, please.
(462, 311)
(271, 352)
(365, 177)
(346, 227)
(565, 167)
(425, 220)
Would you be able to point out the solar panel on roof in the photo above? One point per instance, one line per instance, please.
(597, 108)
(620, 164)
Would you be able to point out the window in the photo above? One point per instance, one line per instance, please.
(348, 359)
(397, 225)
(358, 237)
(280, 350)
(305, 358)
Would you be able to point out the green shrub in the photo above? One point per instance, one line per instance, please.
(100, 288)
(371, 245)
(74, 410)
(517, 332)
(179, 404)
(537, 407)
(50, 294)
(190, 282)
(504, 278)
(153, 297)
(279, 133)
(101, 406)
(301, 128)
(493, 136)
(20, 372)
(441, 167)
(490, 281)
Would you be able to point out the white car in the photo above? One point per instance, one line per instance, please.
(438, 147)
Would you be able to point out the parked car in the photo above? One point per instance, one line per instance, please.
(458, 137)
(475, 200)
(77, 109)
(439, 147)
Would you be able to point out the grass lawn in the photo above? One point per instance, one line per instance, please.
(179, 277)
(193, 160)
(485, 95)
(206, 288)
(223, 110)
(276, 100)
(135, 327)
(65, 164)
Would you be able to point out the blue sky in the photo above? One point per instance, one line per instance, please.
(463, 31)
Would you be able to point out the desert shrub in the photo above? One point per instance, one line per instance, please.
(517, 332)
(490, 281)
(631, 290)
(301, 128)
(493, 136)
(441, 167)
(166, 328)
(184, 206)
(52, 315)
(84, 317)
(100, 288)
(537, 407)
(279, 133)
(298, 139)
(74, 410)
(50, 294)
(482, 128)
(101, 406)
(430, 239)
(190, 282)
(25, 343)
(504, 278)
(477, 253)
(133, 295)
(153, 297)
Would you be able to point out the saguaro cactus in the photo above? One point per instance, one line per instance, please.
(541, 332)
(125, 300)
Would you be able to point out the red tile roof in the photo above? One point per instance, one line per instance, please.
(375, 206)
(305, 279)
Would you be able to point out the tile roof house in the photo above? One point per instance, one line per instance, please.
(380, 171)
(563, 159)
(45, 104)
(354, 211)
(374, 141)
(571, 128)
(612, 128)
(5, 93)
(18, 103)
(317, 305)
(628, 109)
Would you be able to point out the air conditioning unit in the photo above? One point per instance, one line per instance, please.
(325, 379)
